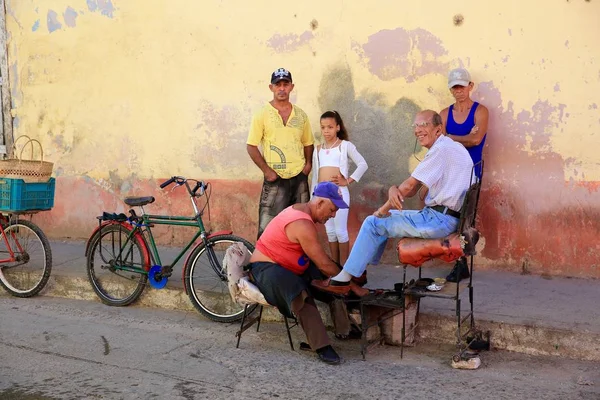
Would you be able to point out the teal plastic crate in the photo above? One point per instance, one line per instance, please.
(17, 195)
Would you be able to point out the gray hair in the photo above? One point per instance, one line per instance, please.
(436, 119)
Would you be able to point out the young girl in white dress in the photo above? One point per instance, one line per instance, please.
(330, 163)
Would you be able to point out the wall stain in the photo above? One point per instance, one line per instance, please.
(401, 53)
(115, 180)
(10, 10)
(105, 7)
(289, 42)
(525, 193)
(380, 131)
(224, 131)
(52, 20)
(99, 195)
(70, 17)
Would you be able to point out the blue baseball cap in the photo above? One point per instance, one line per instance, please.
(331, 191)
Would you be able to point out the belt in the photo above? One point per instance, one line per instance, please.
(446, 210)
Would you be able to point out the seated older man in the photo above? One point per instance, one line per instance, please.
(445, 172)
(288, 257)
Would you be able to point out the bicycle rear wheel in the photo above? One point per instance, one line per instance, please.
(29, 273)
(206, 280)
(113, 285)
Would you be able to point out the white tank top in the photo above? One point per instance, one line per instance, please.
(330, 157)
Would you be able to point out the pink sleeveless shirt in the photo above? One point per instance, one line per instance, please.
(275, 244)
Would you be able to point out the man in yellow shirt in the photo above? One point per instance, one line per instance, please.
(284, 133)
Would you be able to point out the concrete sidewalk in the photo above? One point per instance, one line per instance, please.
(530, 314)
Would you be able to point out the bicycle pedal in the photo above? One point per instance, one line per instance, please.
(156, 278)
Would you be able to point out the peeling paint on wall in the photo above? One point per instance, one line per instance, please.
(399, 53)
(380, 131)
(219, 138)
(53, 23)
(105, 7)
(15, 93)
(70, 16)
(524, 208)
(289, 42)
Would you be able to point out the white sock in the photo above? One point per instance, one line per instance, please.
(343, 276)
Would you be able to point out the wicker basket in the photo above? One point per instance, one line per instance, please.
(28, 170)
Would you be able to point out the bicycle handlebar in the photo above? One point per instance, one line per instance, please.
(200, 185)
(167, 183)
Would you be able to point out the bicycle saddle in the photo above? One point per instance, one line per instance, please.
(139, 201)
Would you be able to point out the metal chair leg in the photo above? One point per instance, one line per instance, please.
(403, 332)
(239, 334)
(287, 328)
(458, 333)
(259, 318)
(471, 295)
(364, 327)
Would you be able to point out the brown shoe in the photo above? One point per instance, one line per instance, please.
(360, 291)
(361, 280)
(330, 286)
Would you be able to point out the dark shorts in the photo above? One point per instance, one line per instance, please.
(281, 286)
(277, 196)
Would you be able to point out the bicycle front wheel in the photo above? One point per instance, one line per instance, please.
(109, 253)
(29, 271)
(205, 279)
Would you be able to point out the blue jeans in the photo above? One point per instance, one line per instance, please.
(374, 233)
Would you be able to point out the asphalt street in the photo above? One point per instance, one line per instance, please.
(54, 348)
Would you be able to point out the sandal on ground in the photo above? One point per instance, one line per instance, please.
(353, 335)
(305, 346)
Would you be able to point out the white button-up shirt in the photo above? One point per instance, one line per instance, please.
(446, 171)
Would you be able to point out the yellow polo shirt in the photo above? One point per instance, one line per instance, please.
(282, 145)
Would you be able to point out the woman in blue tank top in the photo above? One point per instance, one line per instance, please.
(466, 121)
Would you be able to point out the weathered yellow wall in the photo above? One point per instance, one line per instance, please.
(125, 93)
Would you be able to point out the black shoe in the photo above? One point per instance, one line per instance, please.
(328, 355)
(459, 272)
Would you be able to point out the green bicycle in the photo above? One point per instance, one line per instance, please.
(122, 256)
